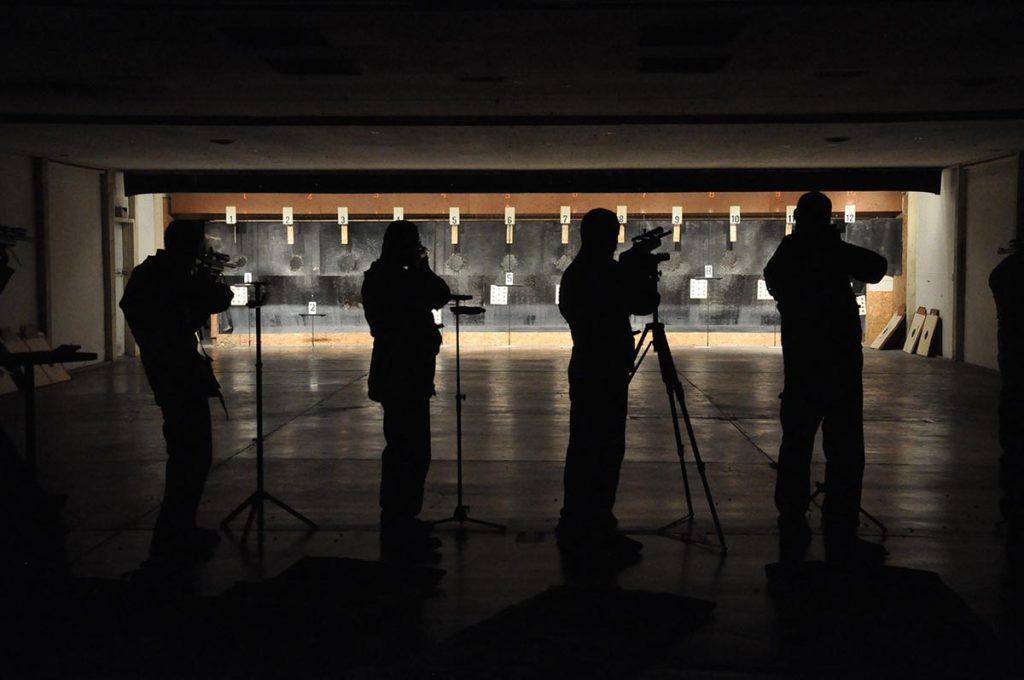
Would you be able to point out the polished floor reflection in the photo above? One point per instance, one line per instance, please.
(931, 477)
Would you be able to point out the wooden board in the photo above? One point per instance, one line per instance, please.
(56, 372)
(887, 335)
(16, 346)
(928, 333)
(910, 346)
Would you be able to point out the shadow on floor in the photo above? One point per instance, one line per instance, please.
(564, 632)
(878, 623)
(339, 617)
(320, 618)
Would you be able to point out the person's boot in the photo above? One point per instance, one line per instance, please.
(621, 544)
(849, 550)
(186, 544)
(607, 548)
(204, 541)
(794, 537)
(408, 539)
(162, 579)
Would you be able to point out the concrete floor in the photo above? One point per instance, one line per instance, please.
(931, 475)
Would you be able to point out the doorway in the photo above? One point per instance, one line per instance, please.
(124, 262)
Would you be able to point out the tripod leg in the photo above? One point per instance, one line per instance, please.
(874, 520)
(638, 355)
(680, 449)
(700, 464)
(291, 511)
(249, 519)
(819, 488)
(260, 512)
(493, 525)
(237, 511)
(461, 516)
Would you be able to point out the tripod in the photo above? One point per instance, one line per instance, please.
(819, 488)
(461, 513)
(677, 404)
(257, 498)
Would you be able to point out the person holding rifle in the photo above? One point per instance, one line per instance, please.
(399, 293)
(168, 298)
(809, 276)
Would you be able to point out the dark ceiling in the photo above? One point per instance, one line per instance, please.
(529, 86)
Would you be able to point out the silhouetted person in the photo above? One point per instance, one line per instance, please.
(596, 299)
(1007, 284)
(167, 299)
(399, 292)
(809, 275)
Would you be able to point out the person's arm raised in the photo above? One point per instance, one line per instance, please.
(863, 264)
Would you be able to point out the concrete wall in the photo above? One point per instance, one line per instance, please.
(931, 255)
(75, 257)
(17, 209)
(990, 222)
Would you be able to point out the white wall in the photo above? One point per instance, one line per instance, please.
(75, 257)
(931, 255)
(991, 213)
(17, 209)
(149, 225)
(73, 209)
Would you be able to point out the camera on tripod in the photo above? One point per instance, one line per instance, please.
(641, 266)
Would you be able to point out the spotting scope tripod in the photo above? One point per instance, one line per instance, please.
(677, 404)
(460, 516)
(258, 498)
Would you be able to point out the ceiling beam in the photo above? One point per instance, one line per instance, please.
(483, 181)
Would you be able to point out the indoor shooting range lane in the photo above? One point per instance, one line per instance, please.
(931, 447)
(313, 266)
